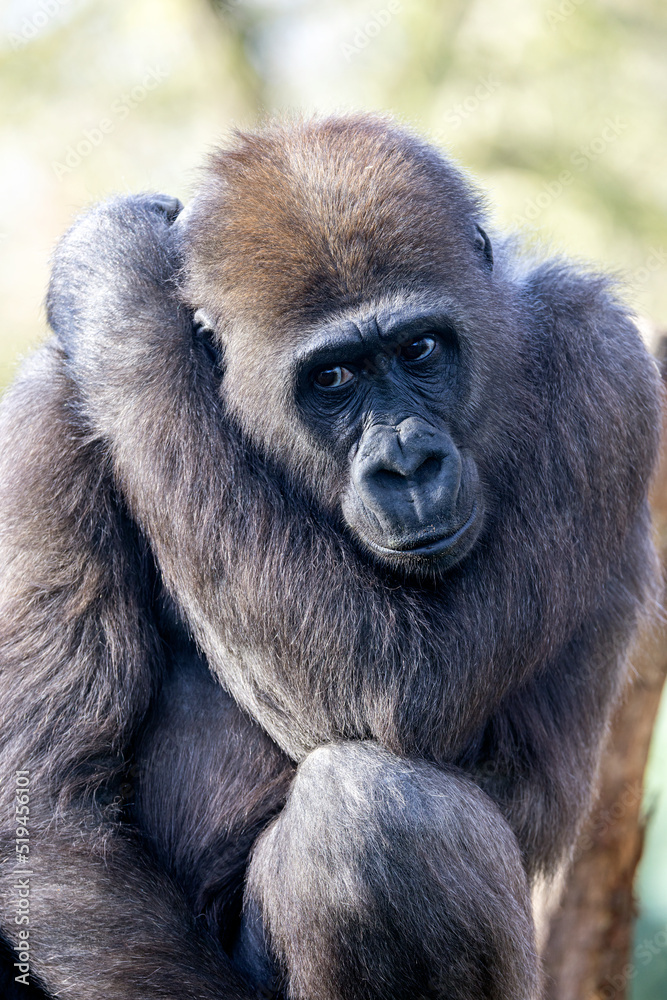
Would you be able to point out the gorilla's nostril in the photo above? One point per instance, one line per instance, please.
(418, 473)
(428, 470)
(388, 479)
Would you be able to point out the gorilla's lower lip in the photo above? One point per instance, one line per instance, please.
(433, 548)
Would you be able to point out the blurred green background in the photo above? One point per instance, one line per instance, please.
(558, 108)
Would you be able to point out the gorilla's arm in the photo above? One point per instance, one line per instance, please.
(538, 753)
(537, 756)
(80, 660)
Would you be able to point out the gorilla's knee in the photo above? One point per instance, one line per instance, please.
(393, 856)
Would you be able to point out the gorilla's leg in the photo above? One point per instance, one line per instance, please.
(388, 878)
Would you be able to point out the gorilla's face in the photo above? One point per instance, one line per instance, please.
(365, 406)
(378, 393)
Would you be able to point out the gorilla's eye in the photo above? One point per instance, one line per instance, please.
(416, 350)
(331, 378)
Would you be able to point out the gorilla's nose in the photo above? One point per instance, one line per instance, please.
(407, 475)
(411, 450)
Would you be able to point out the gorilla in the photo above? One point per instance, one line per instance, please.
(324, 537)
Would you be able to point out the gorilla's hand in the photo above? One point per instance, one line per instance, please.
(114, 305)
(117, 260)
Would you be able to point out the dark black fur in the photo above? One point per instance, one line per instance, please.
(213, 678)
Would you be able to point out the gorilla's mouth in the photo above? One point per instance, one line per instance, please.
(431, 549)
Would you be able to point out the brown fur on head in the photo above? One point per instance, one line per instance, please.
(299, 221)
(295, 218)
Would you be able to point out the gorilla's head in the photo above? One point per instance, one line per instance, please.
(342, 270)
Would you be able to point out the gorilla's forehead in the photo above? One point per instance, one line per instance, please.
(298, 217)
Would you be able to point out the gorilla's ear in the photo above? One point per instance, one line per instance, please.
(202, 321)
(483, 246)
(205, 333)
